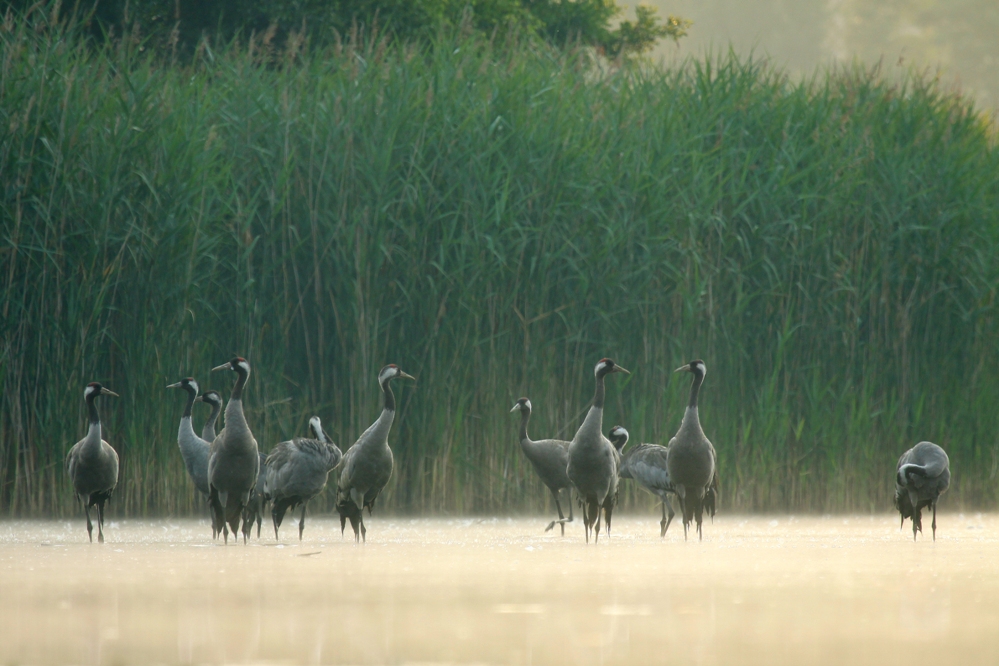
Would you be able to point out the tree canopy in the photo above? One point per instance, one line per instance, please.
(184, 23)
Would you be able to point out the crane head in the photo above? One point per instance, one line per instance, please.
(94, 389)
(390, 372)
(696, 367)
(605, 366)
(618, 437)
(237, 364)
(522, 404)
(188, 384)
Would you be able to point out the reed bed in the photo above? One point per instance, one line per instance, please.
(493, 217)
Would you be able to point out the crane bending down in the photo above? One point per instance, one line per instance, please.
(549, 457)
(592, 466)
(234, 459)
(92, 464)
(646, 464)
(297, 471)
(367, 465)
(922, 475)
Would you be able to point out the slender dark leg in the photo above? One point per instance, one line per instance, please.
(364, 530)
(274, 518)
(934, 521)
(90, 525)
(260, 515)
(234, 522)
(561, 516)
(301, 524)
(100, 522)
(596, 526)
(699, 516)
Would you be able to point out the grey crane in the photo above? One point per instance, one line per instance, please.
(592, 465)
(297, 471)
(367, 465)
(193, 449)
(92, 464)
(691, 458)
(646, 464)
(253, 512)
(234, 460)
(922, 475)
(213, 400)
(549, 458)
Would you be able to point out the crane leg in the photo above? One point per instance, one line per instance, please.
(607, 519)
(934, 521)
(90, 525)
(561, 517)
(364, 530)
(301, 524)
(664, 524)
(100, 522)
(260, 515)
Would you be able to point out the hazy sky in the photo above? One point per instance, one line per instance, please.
(960, 38)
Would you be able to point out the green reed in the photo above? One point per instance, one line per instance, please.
(493, 217)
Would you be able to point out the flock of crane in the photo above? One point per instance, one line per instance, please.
(239, 481)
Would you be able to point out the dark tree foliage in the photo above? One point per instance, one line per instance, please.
(172, 23)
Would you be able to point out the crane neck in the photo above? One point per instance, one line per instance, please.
(208, 432)
(695, 388)
(237, 390)
(598, 392)
(93, 416)
(189, 407)
(389, 396)
(525, 416)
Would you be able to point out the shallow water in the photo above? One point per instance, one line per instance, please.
(757, 590)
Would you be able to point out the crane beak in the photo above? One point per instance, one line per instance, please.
(403, 375)
(177, 385)
(105, 391)
(224, 366)
(618, 368)
(683, 368)
(199, 398)
(515, 407)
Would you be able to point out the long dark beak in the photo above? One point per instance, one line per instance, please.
(224, 366)
(403, 375)
(105, 391)
(682, 368)
(177, 385)
(618, 368)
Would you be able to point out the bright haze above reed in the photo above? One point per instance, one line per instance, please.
(494, 218)
(953, 40)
